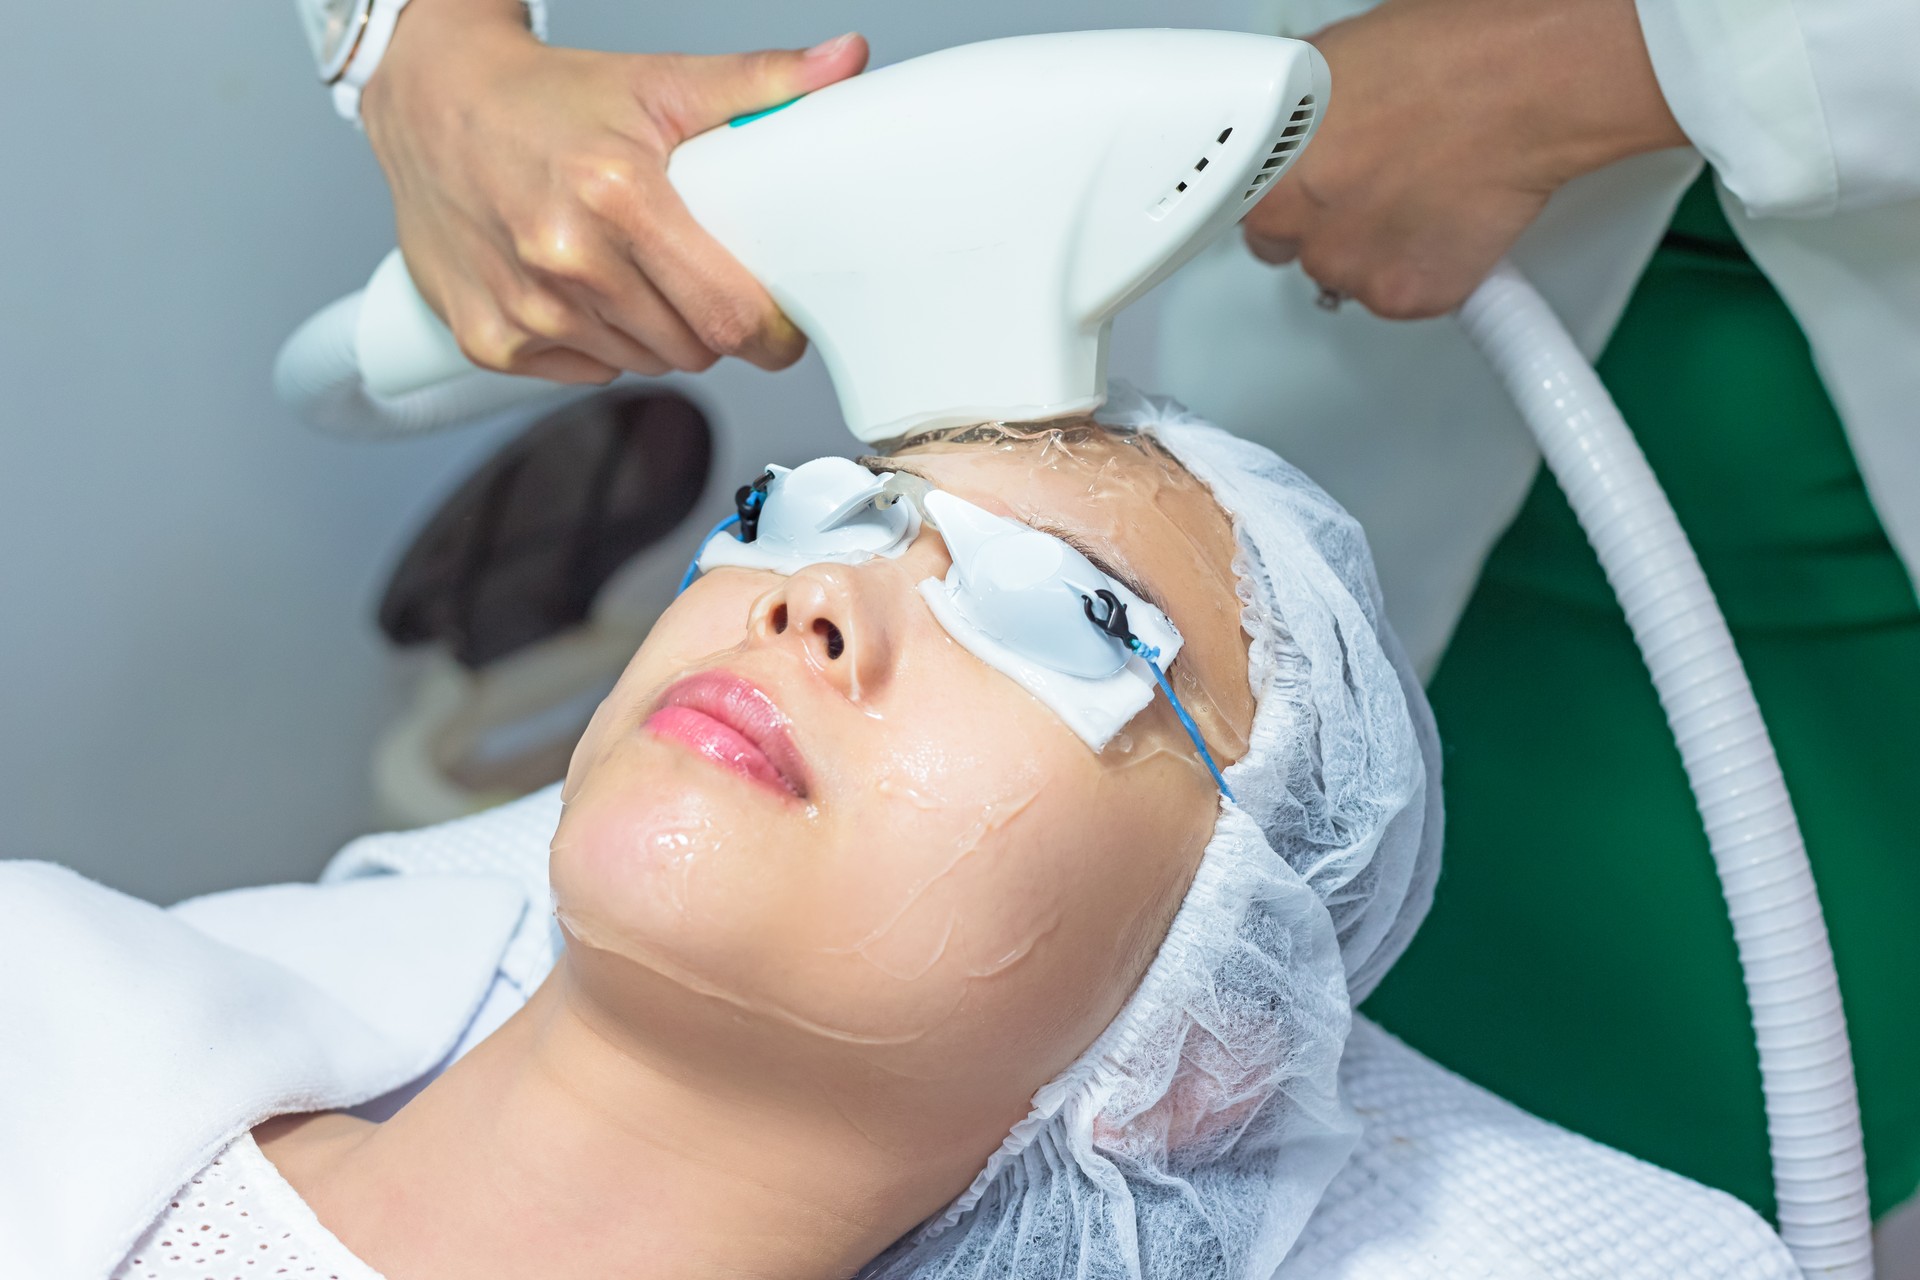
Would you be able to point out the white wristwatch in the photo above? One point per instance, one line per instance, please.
(348, 38)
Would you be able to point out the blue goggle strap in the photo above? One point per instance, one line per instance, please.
(747, 503)
(1113, 620)
(693, 569)
(1151, 656)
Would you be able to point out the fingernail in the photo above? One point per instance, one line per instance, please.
(827, 48)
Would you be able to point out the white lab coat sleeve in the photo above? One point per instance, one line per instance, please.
(1804, 107)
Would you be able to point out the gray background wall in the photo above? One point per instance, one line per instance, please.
(190, 682)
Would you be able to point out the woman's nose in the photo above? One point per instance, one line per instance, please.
(823, 612)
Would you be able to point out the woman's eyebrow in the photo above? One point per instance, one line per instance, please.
(1078, 542)
(1071, 537)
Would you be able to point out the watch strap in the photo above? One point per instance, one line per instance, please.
(371, 44)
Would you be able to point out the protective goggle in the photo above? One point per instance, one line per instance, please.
(1022, 601)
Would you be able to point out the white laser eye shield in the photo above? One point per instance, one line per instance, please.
(1022, 601)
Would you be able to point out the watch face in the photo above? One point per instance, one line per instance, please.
(332, 27)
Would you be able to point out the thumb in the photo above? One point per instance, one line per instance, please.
(703, 92)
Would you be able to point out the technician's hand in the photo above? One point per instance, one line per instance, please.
(531, 195)
(1451, 122)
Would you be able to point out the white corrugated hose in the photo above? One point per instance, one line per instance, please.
(1806, 1064)
(317, 374)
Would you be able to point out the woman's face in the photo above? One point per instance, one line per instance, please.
(807, 801)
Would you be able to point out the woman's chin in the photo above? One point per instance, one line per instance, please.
(674, 873)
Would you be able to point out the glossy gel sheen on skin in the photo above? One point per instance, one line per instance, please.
(963, 861)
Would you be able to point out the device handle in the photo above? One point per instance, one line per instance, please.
(401, 344)
(380, 363)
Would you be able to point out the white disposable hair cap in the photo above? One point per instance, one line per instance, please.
(1195, 1136)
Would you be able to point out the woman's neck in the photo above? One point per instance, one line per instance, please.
(559, 1148)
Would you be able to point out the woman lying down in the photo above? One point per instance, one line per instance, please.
(908, 929)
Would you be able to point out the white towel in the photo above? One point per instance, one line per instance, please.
(136, 1042)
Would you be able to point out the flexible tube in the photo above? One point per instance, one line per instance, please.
(1806, 1064)
(317, 375)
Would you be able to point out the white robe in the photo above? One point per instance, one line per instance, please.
(137, 1042)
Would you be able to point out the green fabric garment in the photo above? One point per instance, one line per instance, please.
(1578, 959)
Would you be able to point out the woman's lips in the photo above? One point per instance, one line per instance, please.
(733, 723)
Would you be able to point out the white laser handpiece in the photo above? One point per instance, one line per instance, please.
(954, 233)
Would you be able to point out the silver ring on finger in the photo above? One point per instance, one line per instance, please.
(1329, 299)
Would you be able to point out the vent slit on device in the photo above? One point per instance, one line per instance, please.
(1299, 124)
(1167, 202)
